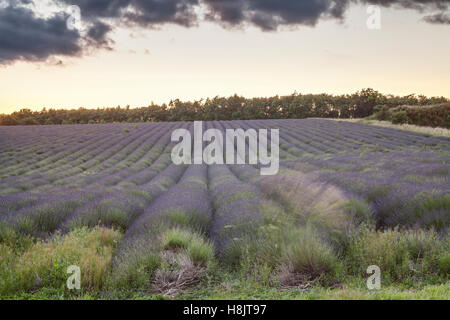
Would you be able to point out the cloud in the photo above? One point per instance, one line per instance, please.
(24, 36)
(420, 5)
(439, 18)
(270, 14)
(143, 13)
(97, 35)
(151, 12)
(140, 13)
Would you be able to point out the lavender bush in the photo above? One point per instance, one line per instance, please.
(335, 179)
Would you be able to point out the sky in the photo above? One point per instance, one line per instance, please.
(134, 52)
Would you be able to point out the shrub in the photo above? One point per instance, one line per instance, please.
(383, 249)
(432, 116)
(399, 254)
(382, 112)
(444, 265)
(437, 115)
(400, 117)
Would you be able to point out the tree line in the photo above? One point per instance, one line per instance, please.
(357, 105)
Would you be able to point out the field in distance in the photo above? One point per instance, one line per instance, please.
(108, 199)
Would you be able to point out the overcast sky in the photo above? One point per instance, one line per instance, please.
(137, 51)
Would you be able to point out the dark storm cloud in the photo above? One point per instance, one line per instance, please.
(150, 12)
(97, 35)
(23, 36)
(271, 14)
(140, 12)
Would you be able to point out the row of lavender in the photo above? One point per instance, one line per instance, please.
(58, 178)
(403, 175)
(398, 172)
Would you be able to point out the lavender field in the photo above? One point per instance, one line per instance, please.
(347, 196)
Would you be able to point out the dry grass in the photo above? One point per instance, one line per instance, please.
(179, 273)
(408, 127)
(185, 259)
(310, 202)
(289, 279)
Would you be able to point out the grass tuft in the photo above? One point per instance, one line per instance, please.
(309, 255)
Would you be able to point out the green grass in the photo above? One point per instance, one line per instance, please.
(403, 256)
(199, 250)
(168, 261)
(283, 259)
(134, 271)
(234, 288)
(38, 265)
(307, 254)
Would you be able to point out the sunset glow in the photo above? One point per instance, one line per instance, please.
(407, 55)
